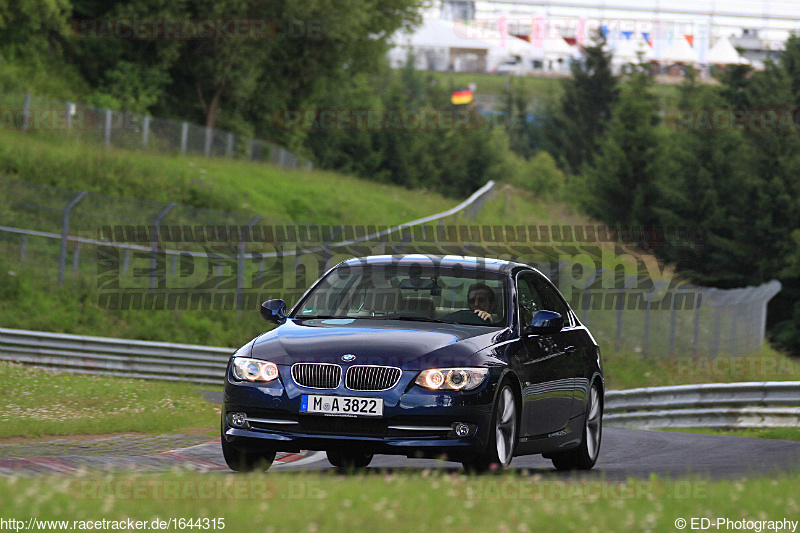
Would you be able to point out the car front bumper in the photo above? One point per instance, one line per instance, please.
(416, 422)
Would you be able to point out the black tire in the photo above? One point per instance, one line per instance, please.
(502, 437)
(585, 456)
(349, 459)
(246, 460)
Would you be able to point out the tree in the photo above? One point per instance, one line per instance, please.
(585, 111)
(133, 72)
(310, 46)
(31, 27)
(621, 183)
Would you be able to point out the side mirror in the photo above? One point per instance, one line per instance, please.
(545, 323)
(274, 311)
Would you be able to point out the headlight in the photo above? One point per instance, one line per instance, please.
(246, 369)
(452, 378)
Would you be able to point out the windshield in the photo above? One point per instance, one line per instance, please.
(392, 292)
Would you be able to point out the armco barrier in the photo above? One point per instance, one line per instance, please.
(711, 405)
(122, 357)
(714, 405)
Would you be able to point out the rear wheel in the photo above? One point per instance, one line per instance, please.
(349, 459)
(584, 456)
(503, 437)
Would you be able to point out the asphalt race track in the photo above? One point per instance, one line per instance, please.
(624, 453)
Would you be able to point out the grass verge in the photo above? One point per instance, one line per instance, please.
(626, 370)
(399, 501)
(790, 433)
(36, 402)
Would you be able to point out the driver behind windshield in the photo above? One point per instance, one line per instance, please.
(481, 300)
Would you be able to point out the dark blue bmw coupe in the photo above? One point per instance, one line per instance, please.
(474, 360)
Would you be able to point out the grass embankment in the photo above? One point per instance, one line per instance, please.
(400, 501)
(35, 402)
(31, 299)
(232, 185)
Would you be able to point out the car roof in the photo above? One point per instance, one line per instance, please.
(446, 261)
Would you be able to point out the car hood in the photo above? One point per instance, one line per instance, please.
(405, 344)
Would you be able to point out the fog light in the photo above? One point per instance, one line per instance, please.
(238, 420)
(462, 430)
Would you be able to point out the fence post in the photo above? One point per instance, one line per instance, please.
(673, 315)
(229, 145)
(240, 267)
(62, 256)
(772, 288)
(184, 137)
(696, 328)
(76, 259)
(145, 131)
(154, 244)
(26, 112)
(23, 248)
(107, 129)
(717, 319)
(646, 340)
(68, 115)
(620, 310)
(207, 147)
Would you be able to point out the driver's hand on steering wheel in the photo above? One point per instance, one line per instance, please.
(484, 315)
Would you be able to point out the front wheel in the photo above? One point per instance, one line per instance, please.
(502, 439)
(584, 456)
(243, 459)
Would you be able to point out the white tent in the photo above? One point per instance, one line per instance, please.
(630, 50)
(557, 54)
(679, 51)
(443, 44)
(723, 53)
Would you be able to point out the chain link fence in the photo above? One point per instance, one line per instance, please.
(135, 247)
(131, 131)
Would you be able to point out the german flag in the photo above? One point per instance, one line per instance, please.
(461, 97)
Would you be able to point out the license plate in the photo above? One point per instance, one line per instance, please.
(341, 405)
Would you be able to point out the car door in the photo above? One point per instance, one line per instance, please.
(547, 374)
(572, 340)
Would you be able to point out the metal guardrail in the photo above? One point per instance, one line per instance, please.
(713, 405)
(121, 357)
(474, 203)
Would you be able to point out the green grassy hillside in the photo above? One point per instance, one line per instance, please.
(232, 185)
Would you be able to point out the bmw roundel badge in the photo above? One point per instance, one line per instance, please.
(348, 357)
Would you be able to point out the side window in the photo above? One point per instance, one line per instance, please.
(530, 300)
(552, 300)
